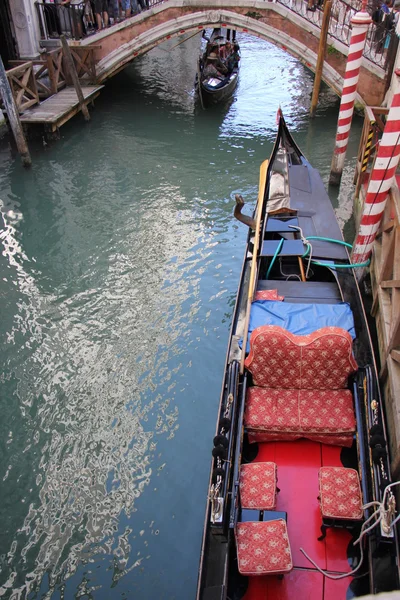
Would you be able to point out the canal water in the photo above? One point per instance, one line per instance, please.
(119, 267)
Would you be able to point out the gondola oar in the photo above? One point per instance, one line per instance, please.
(199, 84)
(253, 269)
(179, 43)
(185, 40)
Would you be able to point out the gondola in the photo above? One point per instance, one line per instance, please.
(300, 499)
(214, 89)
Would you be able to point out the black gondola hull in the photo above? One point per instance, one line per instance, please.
(332, 282)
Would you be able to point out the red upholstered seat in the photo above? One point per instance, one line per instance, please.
(299, 386)
(346, 439)
(263, 548)
(299, 411)
(257, 485)
(340, 493)
(280, 359)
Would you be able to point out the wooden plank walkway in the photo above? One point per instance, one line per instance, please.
(58, 109)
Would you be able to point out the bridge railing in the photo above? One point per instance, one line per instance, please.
(380, 42)
(74, 21)
(78, 20)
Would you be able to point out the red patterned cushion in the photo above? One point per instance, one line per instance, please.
(274, 360)
(263, 548)
(258, 485)
(326, 411)
(340, 493)
(321, 360)
(272, 410)
(268, 295)
(259, 437)
(299, 411)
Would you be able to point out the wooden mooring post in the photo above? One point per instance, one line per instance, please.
(321, 56)
(74, 77)
(13, 117)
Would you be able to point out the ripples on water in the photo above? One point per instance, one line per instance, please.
(119, 267)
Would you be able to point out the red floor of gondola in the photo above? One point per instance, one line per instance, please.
(298, 464)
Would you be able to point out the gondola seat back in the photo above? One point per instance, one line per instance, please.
(282, 360)
(300, 386)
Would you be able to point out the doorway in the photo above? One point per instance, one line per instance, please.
(8, 46)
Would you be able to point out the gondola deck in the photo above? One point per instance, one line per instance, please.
(300, 401)
(298, 484)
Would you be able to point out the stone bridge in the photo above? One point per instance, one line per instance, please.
(121, 43)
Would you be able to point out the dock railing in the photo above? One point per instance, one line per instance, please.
(48, 71)
(35, 80)
(23, 85)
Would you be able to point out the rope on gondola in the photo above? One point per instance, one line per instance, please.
(331, 265)
(380, 514)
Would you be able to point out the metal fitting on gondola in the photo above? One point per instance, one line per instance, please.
(220, 452)
(377, 443)
(221, 440)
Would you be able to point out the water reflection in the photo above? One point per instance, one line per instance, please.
(118, 275)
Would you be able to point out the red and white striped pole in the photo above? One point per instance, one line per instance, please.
(380, 182)
(360, 23)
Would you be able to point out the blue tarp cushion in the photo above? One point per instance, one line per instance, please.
(300, 319)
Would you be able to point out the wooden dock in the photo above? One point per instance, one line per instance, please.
(58, 109)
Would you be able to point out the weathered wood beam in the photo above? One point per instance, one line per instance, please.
(13, 116)
(74, 77)
(388, 244)
(390, 283)
(395, 354)
(321, 56)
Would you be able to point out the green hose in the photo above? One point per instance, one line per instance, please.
(274, 257)
(337, 266)
(333, 265)
(324, 239)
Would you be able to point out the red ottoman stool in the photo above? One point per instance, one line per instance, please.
(257, 484)
(340, 498)
(263, 548)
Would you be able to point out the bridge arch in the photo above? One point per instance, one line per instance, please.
(270, 21)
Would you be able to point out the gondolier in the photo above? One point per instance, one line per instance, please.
(218, 69)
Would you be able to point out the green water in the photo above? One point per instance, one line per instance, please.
(119, 267)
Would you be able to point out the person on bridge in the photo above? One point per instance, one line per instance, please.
(379, 17)
(101, 12)
(76, 15)
(390, 24)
